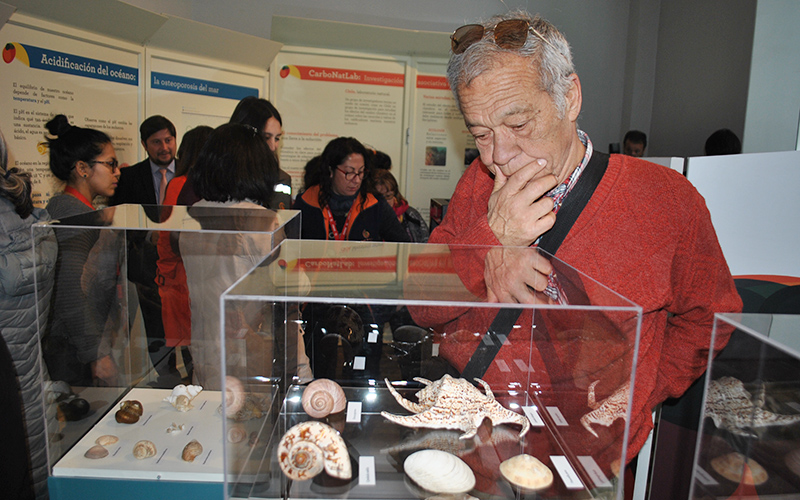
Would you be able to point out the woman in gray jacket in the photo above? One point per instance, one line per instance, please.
(19, 257)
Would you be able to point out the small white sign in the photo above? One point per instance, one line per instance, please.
(366, 471)
(359, 362)
(595, 472)
(567, 473)
(532, 413)
(556, 415)
(372, 338)
(704, 477)
(435, 350)
(353, 412)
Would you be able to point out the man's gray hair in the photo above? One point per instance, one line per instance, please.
(551, 56)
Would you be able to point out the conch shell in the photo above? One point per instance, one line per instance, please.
(129, 412)
(323, 397)
(439, 472)
(526, 472)
(144, 449)
(182, 396)
(309, 447)
(95, 452)
(234, 396)
(192, 451)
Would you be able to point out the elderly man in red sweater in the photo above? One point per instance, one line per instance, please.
(639, 228)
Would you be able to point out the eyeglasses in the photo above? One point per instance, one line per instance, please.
(350, 175)
(508, 34)
(112, 164)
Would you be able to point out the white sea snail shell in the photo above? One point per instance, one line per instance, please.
(234, 396)
(323, 397)
(526, 472)
(309, 447)
(144, 449)
(182, 396)
(439, 472)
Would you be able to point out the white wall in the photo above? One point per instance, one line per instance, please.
(773, 100)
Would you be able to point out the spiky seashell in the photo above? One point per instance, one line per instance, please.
(309, 447)
(191, 451)
(732, 467)
(526, 472)
(439, 472)
(95, 452)
(144, 449)
(182, 396)
(175, 428)
(323, 397)
(106, 440)
(234, 396)
(236, 434)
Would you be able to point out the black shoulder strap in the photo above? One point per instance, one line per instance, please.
(573, 205)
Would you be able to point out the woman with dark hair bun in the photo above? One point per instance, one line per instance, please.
(75, 349)
(25, 466)
(342, 205)
(262, 116)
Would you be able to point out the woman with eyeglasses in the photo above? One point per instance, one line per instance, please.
(409, 217)
(76, 349)
(342, 205)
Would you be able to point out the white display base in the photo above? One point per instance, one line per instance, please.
(203, 423)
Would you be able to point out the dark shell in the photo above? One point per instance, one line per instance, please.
(126, 416)
(133, 406)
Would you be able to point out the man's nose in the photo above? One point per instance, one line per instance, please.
(504, 148)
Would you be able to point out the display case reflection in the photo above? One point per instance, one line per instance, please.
(387, 330)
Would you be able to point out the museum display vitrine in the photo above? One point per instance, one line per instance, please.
(131, 351)
(749, 429)
(383, 371)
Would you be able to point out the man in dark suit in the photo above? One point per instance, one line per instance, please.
(145, 184)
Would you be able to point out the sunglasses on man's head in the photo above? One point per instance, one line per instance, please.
(508, 34)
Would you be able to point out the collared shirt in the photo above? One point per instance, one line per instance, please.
(156, 172)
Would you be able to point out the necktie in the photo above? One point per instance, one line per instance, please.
(162, 187)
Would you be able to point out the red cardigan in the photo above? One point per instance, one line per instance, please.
(646, 234)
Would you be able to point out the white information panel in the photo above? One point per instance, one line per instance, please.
(441, 146)
(754, 206)
(192, 93)
(321, 97)
(44, 75)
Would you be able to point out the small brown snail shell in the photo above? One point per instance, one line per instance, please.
(96, 452)
(144, 449)
(129, 412)
(323, 397)
(191, 451)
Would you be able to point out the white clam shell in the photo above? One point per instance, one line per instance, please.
(106, 440)
(439, 472)
(323, 397)
(526, 472)
(309, 447)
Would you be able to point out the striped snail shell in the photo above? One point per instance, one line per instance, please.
(323, 397)
(309, 447)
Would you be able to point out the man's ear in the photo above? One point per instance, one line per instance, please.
(574, 98)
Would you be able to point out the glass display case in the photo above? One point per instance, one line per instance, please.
(134, 325)
(749, 430)
(394, 376)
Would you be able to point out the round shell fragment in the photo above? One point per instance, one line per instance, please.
(309, 447)
(439, 472)
(526, 472)
(106, 440)
(144, 449)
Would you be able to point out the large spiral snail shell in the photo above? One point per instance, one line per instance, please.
(234, 396)
(323, 397)
(144, 449)
(309, 447)
(192, 450)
